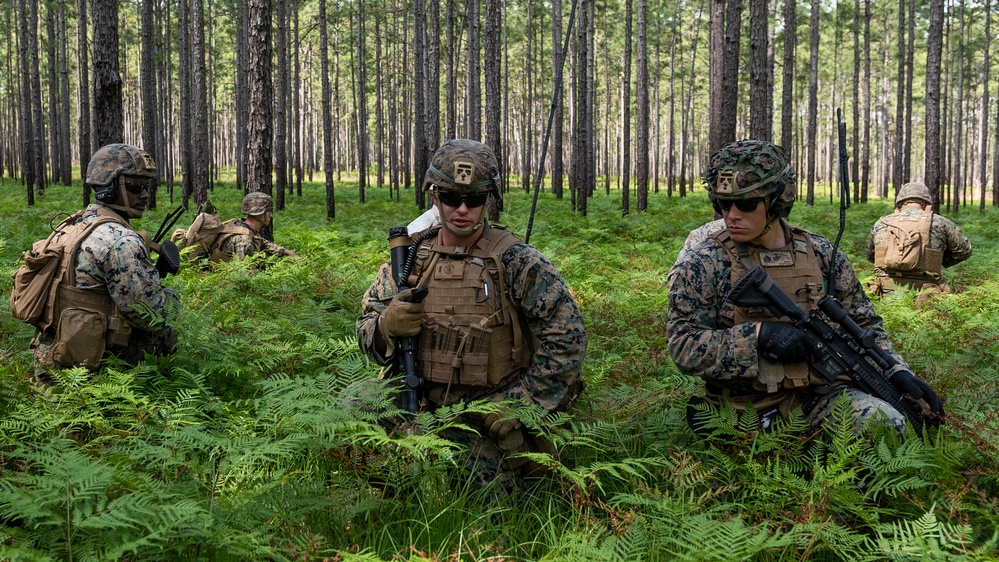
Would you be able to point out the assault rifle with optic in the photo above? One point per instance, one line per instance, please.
(843, 349)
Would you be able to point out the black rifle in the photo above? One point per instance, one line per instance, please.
(399, 250)
(169, 256)
(844, 350)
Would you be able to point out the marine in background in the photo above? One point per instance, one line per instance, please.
(911, 246)
(237, 238)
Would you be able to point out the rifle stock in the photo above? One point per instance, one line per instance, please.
(837, 351)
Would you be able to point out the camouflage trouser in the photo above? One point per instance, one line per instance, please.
(864, 408)
(817, 409)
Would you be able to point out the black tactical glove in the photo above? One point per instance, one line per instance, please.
(910, 384)
(781, 342)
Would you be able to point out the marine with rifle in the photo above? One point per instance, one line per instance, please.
(487, 317)
(777, 358)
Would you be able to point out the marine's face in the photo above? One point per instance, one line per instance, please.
(744, 225)
(456, 210)
(136, 189)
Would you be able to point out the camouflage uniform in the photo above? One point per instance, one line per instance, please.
(703, 232)
(540, 304)
(945, 237)
(703, 336)
(113, 260)
(240, 246)
(246, 241)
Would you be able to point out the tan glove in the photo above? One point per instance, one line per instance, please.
(401, 318)
(504, 428)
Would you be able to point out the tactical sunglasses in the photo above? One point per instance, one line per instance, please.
(744, 205)
(136, 185)
(455, 198)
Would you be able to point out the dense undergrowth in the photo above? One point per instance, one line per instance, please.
(260, 439)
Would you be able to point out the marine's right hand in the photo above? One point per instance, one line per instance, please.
(781, 342)
(401, 318)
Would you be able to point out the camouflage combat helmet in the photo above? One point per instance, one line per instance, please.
(257, 203)
(464, 165)
(115, 159)
(913, 190)
(749, 169)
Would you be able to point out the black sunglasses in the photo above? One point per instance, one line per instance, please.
(744, 205)
(137, 185)
(455, 198)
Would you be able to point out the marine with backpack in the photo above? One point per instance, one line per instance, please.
(91, 288)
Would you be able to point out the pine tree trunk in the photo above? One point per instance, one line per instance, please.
(473, 96)
(558, 119)
(36, 100)
(642, 122)
(787, 91)
(324, 64)
(626, 112)
(27, 129)
(147, 84)
(361, 107)
(65, 150)
(813, 101)
(934, 51)
(494, 110)
(420, 155)
(280, 108)
(760, 111)
(260, 97)
(199, 104)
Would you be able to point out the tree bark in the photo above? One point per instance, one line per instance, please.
(934, 50)
(813, 101)
(324, 64)
(362, 110)
(147, 79)
(642, 110)
(83, 125)
(760, 72)
(199, 104)
(108, 116)
(36, 100)
(787, 91)
(473, 97)
(492, 56)
(27, 129)
(260, 97)
(626, 113)
(281, 107)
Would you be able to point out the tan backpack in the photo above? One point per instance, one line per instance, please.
(904, 243)
(206, 234)
(37, 281)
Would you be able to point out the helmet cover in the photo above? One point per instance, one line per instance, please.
(112, 160)
(464, 165)
(913, 190)
(751, 169)
(257, 203)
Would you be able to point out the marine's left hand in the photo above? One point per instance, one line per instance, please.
(504, 428)
(917, 388)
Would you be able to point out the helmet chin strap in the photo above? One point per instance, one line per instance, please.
(129, 212)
